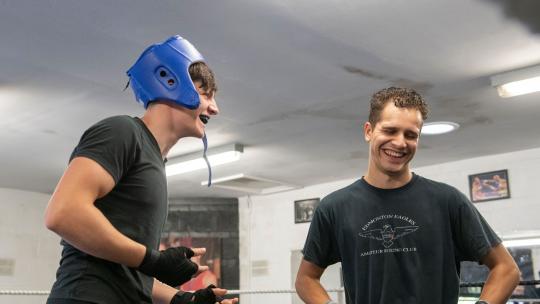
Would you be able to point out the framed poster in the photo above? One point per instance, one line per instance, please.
(304, 210)
(489, 186)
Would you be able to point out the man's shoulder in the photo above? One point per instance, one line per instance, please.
(433, 184)
(118, 131)
(440, 189)
(342, 195)
(117, 126)
(118, 121)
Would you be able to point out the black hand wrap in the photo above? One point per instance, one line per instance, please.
(201, 296)
(171, 266)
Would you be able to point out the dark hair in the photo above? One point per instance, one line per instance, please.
(402, 98)
(199, 71)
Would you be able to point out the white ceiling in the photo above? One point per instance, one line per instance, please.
(295, 79)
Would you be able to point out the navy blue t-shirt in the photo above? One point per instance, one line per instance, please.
(399, 246)
(136, 206)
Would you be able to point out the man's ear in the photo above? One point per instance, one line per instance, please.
(368, 130)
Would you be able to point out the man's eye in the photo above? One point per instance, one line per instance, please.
(412, 135)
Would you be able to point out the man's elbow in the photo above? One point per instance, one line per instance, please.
(510, 271)
(514, 274)
(304, 282)
(298, 283)
(301, 282)
(55, 219)
(51, 221)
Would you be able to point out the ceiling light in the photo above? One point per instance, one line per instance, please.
(522, 242)
(517, 82)
(250, 184)
(194, 161)
(439, 127)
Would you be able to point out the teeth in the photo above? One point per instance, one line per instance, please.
(393, 153)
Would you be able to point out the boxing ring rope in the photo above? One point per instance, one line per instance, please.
(481, 284)
(230, 291)
(24, 292)
(275, 291)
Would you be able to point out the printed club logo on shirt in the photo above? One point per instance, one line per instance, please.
(387, 234)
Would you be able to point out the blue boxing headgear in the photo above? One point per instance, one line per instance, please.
(162, 73)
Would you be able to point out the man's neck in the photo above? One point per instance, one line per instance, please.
(160, 124)
(387, 181)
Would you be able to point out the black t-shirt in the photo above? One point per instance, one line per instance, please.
(136, 206)
(399, 246)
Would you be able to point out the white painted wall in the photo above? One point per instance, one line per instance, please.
(508, 217)
(24, 238)
(268, 232)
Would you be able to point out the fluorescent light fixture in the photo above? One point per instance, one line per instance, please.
(216, 156)
(439, 127)
(250, 184)
(517, 82)
(522, 242)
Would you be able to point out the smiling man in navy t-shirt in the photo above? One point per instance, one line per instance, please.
(400, 237)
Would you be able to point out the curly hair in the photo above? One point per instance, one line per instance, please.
(199, 71)
(402, 98)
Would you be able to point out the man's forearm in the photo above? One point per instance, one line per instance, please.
(87, 229)
(162, 293)
(499, 285)
(311, 291)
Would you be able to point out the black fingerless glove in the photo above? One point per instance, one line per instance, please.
(171, 266)
(201, 296)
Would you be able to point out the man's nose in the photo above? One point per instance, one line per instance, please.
(399, 140)
(213, 108)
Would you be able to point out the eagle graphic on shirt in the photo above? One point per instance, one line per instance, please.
(388, 234)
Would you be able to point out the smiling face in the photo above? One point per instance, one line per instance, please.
(393, 141)
(207, 108)
(185, 122)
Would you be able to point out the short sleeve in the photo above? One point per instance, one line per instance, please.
(473, 235)
(321, 244)
(111, 143)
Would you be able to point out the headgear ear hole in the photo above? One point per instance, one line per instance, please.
(166, 78)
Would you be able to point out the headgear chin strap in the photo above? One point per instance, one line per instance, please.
(162, 73)
(205, 144)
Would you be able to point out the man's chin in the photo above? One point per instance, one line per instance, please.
(195, 133)
(199, 133)
(396, 169)
(199, 130)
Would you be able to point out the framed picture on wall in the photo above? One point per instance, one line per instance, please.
(304, 210)
(489, 186)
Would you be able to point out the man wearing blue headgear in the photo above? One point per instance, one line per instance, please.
(111, 203)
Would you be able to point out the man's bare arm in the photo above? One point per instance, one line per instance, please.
(503, 276)
(308, 284)
(71, 214)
